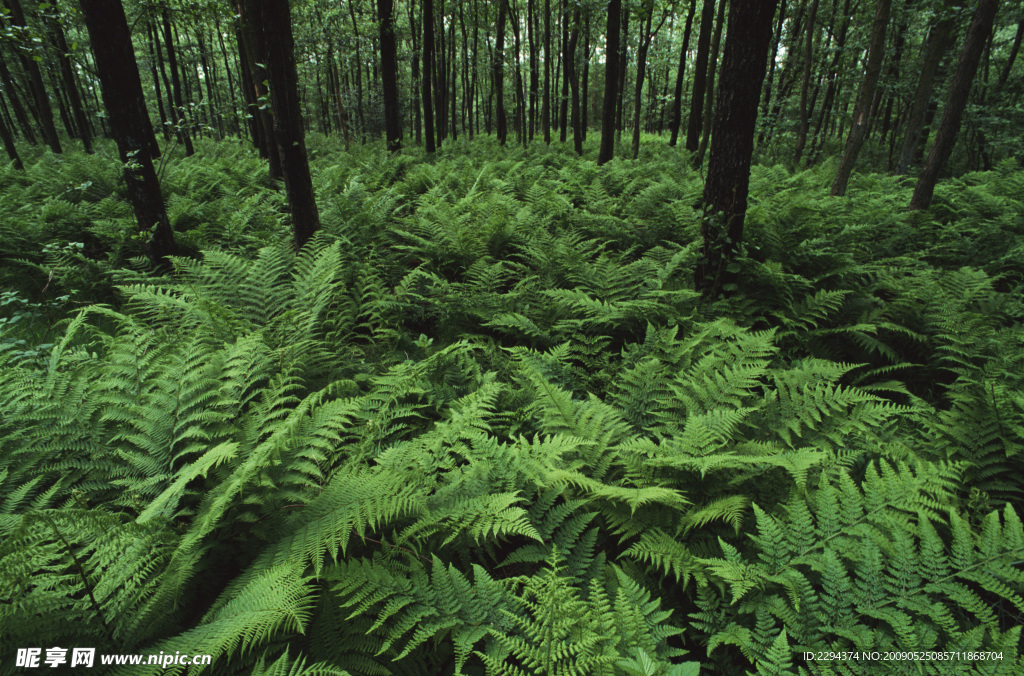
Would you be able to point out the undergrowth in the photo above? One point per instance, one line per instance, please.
(483, 424)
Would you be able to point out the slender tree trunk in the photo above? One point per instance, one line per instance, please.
(35, 80)
(830, 90)
(122, 95)
(389, 74)
(1014, 51)
(585, 103)
(68, 76)
(623, 71)
(677, 106)
(773, 57)
(546, 103)
(641, 69)
(180, 116)
(936, 46)
(952, 114)
(16, 106)
(499, 76)
(732, 142)
(276, 25)
(156, 84)
(12, 150)
(695, 125)
(531, 17)
(611, 82)
(563, 102)
(574, 83)
(862, 113)
(805, 84)
(716, 41)
(428, 59)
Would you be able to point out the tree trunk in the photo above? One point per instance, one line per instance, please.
(623, 70)
(68, 76)
(122, 96)
(936, 46)
(499, 76)
(960, 89)
(677, 106)
(12, 151)
(862, 113)
(12, 95)
(611, 82)
(545, 113)
(284, 97)
(574, 83)
(180, 116)
(805, 85)
(389, 74)
(358, 69)
(641, 68)
(428, 59)
(35, 81)
(695, 125)
(716, 41)
(563, 101)
(1014, 50)
(732, 142)
(772, 58)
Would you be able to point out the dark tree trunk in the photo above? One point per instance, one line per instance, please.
(574, 83)
(358, 69)
(35, 80)
(156, 83)
(773, 57)
(611, 83)
(12, 151)
(641, 69)
(804, 121)
(255, 52)
(499, 76)
(389, 74)
(123, 99)
(952, 114)
(180, 116)
(1014, 51)
(545, 113)
(834, 68)
(428, 62)
(531, 20)
(862, 113)
(231, 79)
(563, 100)
(68, 77)
(585, 102)
(716, 41)
(694, 125)
(936, 46)
(284, 97)
(732, 141)
(12, 95)
(623, 70)
(677, 106)
(204, 63)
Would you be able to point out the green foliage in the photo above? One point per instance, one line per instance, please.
(483, 425)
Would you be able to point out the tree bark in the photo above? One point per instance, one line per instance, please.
(716, 40)
(936, 46)
(12, 95)
(12, 150)
(805, 85)
(288, 129)
(960, 89)
(428, 58)
(694, 125)
(123, 98)
(180, 116)
(499, 76)
(641, 68)
(546, 103)
(677, 106)
(389, 74)
(574, 83)
(732, 142)
(35, 80)
(862, 113)
(611, 83)
(68, 76)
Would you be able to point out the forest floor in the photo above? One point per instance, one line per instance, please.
(486, 391)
